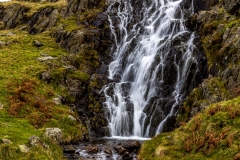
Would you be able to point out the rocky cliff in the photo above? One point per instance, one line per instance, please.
(212, 107)
(217, 23)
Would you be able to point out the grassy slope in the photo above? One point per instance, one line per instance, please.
(212, 134)
(18, 65)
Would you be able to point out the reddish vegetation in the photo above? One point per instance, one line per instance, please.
(26, 101)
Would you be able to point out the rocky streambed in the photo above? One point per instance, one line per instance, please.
(103, 149)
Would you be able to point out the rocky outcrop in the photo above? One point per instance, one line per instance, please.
(217, 23)
(43, 20)
(79, 6)
(232, 6)
(13, 15)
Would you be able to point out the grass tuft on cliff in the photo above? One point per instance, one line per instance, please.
(212, 134)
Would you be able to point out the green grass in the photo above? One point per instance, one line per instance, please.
(212, 134)
(19, 66)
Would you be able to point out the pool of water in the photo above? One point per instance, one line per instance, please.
(114, 148)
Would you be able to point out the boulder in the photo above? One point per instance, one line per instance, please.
(92, 149)
(6, 141)
(54, 134)
(24, 148)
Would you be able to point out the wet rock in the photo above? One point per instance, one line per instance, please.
(92, 149)
(132, 146)
(108, 151)
(24, 148)
(100, 20)
(69, 149)
(120, 150)
(54, 134)
(6, 141)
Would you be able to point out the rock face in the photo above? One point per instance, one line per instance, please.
(13, 15)
(232, 6)
(45, 19)
(217, 23)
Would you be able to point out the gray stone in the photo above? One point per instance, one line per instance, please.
(36, 141)
(58, 100)
(37, 43)
(42, 59)
(71, 117)
(1, 106)
(24, 148)
(6, 141)
(54, 134)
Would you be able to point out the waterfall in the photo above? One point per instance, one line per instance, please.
(154, 65)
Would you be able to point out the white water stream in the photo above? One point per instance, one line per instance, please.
(153, 57)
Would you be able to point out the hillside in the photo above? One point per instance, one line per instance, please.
(49, 53)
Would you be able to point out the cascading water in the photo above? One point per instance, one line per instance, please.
(154, 65)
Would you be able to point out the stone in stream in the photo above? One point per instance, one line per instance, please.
(120, 150)
(92, 149)
(107, 150)
(131, 146)
(69, 149)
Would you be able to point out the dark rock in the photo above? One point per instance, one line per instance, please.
(126, 156)
(169, 124)
(232, 6)
(69, 149)
(108, 151)
(120, 150)
(13, 15)
(131, 146)
(101, 20)
(43, 20)
(92, 149)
